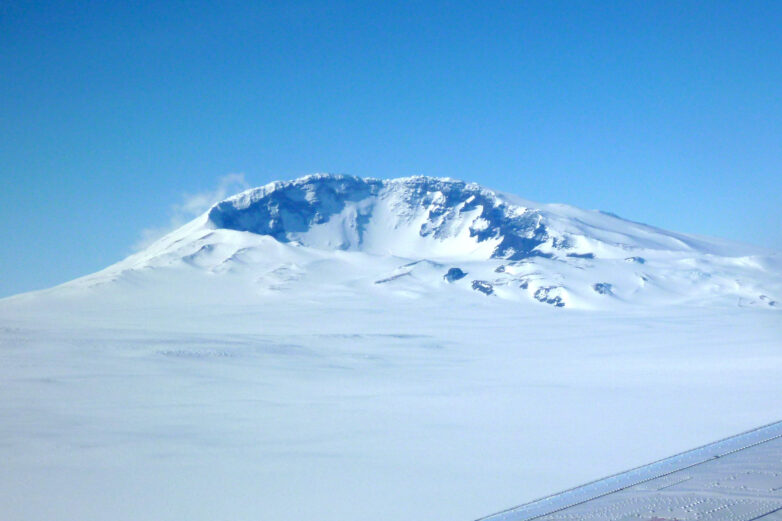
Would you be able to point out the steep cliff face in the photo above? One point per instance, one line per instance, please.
(394, 217)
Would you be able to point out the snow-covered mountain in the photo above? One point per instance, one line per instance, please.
(344, 349)
(420, 236)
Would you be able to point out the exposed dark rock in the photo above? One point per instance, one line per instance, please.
(454, 274)
(604, 288)
(544, 295)
(562, 243)
(483, 286)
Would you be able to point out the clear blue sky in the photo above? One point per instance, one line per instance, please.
(669, 113)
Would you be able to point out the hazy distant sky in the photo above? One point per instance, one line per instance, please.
(669, 113)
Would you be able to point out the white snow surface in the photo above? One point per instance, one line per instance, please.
(298, 352)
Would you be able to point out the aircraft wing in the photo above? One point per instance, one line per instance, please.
(735, 479)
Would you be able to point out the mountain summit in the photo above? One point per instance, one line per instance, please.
(430, 237)
(416, 216)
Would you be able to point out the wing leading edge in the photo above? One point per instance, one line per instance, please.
(735, 479)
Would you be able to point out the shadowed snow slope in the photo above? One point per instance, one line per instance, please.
(403, 236)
